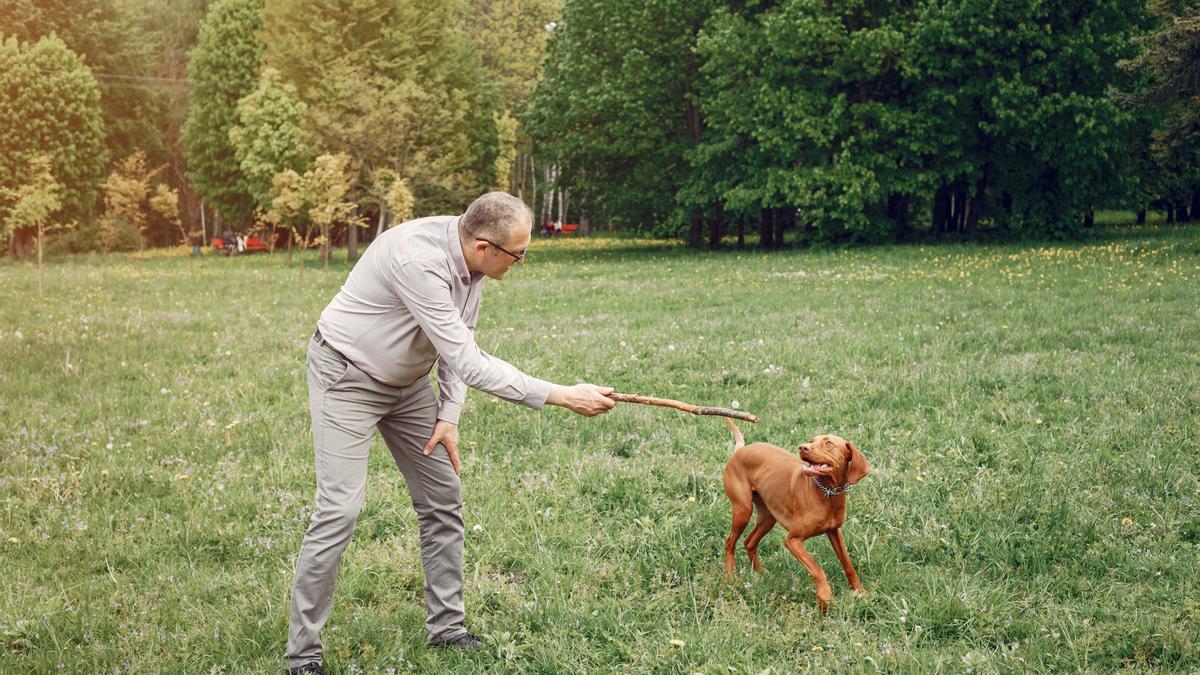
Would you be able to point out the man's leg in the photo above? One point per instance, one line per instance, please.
(437, 498)
(344, 412)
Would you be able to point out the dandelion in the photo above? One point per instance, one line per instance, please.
(678, 644)
(477, 529)
(182, 476)
(736, 405)
(817, 649)
(1127, 522)
(14, 540)
(104, 473)
(670, 348)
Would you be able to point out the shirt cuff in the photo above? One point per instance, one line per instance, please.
(450, 412)
(538, 392)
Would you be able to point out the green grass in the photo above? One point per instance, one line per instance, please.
(1030, 413)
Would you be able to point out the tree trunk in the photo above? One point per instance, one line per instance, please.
(1170, 212)
(1196, 204)
(978, 201)
(741, 225)
(1181, 212)
(291, 234)
(533, 202)
(766, 229)
(941, 211)
(585, 224)
(41, 239)
(352, 243)
(783, 216)
(696, 233)
(1141, 217)
(1089, 218)
(714, 233)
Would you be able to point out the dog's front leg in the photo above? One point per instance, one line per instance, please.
(795, 544)
(839, 547)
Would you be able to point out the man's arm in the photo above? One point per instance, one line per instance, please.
(427, 296)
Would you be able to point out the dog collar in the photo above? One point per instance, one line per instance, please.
(835, 491)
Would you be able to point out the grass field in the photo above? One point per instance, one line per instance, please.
(1030, 413)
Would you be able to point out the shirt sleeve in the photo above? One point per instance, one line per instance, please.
(425, 291)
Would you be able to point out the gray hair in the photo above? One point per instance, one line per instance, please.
(494, 215)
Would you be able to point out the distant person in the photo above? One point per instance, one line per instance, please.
(228, 242)
(410, 304)
(558, 227)
(241, 243)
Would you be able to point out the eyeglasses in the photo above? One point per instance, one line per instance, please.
(518, 257)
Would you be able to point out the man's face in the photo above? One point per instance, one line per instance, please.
(500, 256)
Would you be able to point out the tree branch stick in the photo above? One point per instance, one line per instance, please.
(680, 405)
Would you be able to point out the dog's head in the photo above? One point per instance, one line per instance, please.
(835, 456)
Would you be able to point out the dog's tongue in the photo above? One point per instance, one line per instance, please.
(822, 468)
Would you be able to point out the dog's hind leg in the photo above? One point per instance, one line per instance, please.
(740, 498)
(766, 521)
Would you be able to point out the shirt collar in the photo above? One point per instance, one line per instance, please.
(456, 253)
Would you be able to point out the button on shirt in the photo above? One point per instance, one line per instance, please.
(410, 302)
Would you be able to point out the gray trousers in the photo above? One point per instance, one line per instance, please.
(347, 405)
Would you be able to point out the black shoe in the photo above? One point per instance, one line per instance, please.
(465, 642)
(311, 668)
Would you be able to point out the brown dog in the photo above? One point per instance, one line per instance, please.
(805, 494)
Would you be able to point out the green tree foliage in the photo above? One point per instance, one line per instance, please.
(617, 108)
(50, 105)
(268, 137)
(858, 118)
(397, 65)
(1166, 94)
(111, 39)
(223, 69)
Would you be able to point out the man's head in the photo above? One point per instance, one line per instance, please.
(495, 231)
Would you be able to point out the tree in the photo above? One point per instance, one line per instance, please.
(365, 65)
(33, 205)
(268, 137)
(223, 70)
(617, 109)
(111, 39)
(1164, 94)
(325, 186)
(50, 105)
(126, 191)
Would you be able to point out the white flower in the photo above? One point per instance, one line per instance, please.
(670, 348)
(736, 405)
(477, 529)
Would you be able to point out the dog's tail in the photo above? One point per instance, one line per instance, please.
(738, 440)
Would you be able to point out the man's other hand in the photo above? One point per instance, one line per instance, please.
(586, 399)
(445, 433)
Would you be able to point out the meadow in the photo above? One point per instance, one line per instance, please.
(1030, 412)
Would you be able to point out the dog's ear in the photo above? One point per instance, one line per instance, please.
(856, 465)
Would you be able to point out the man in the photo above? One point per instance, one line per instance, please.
(410, 302)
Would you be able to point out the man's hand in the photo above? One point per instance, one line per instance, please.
(445, 433)
(586, 399)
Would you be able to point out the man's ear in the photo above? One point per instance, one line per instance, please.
(856, 466)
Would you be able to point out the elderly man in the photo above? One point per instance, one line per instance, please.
(410, 302)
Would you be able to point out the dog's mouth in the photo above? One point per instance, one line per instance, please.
(816, 467)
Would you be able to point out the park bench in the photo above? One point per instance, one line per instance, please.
(570, 228)
(253, 244)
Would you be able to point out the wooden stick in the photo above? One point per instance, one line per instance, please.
(686, 407)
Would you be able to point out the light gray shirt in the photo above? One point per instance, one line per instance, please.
(410, 302)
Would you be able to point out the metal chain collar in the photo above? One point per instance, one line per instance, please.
(835, 491)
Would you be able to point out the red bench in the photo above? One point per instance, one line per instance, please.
(570, 228)
(253, 244)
